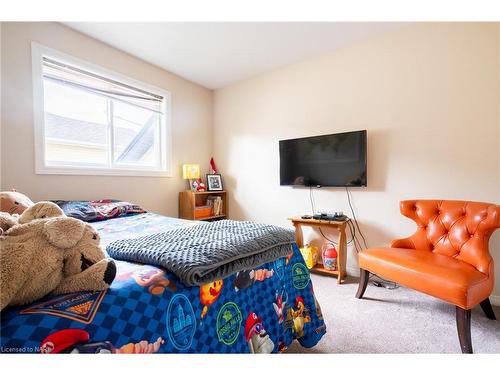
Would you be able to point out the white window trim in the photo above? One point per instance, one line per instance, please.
(39, 51)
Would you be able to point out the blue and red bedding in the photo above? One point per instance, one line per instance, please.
(97, 210)
(147, 310)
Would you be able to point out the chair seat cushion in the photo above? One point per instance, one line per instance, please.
(443, 277)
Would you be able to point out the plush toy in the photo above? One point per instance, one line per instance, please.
(59, 255)
(201, 186)
(40, 210)
(7, 221)
(14, 202)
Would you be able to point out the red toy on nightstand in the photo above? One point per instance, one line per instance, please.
(329, 255)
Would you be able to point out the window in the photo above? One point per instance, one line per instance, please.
(91, 121)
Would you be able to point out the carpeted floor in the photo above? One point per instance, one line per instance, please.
(393, 321)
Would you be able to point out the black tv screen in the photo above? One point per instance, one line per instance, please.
(326, 160)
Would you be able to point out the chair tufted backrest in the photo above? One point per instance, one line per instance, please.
(458, 229)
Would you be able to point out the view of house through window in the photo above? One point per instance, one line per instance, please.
(95, 121)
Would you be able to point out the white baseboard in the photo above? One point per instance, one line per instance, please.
(351, 271)
(495, 300)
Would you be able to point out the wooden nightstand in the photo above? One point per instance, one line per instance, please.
(340, 272)
(191, 204)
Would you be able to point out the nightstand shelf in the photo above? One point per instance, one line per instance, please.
(340, 226)
(318, 268)
(191, 201)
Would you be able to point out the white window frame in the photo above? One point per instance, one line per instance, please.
(39, 51)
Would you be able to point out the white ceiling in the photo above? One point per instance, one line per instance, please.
(219, 54)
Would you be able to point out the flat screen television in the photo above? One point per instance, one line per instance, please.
(325, 160)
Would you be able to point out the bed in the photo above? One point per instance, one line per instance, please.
(148, 310)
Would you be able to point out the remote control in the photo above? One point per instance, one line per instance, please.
(306, 217)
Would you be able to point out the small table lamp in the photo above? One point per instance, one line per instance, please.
(191, 172)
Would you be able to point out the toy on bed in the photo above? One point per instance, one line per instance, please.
(7, 221)
(39, 210)
(44, 255)
(14, 202)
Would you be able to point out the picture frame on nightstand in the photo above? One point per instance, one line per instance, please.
(214, 182)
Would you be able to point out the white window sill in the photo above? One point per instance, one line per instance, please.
(101, 172)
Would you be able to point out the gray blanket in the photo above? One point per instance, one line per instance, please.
(204, 253)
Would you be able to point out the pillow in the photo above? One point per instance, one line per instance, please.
(103, 209)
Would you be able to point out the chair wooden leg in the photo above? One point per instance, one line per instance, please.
(363, 282)
(463, 328)
(488, 310)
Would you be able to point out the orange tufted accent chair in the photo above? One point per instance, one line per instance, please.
(447, 257)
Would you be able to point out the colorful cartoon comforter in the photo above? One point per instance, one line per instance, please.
(147, 310)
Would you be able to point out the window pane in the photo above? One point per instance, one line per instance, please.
(75, 126)
(94, 120)
(136, 135)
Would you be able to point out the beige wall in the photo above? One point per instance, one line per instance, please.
(428, 94)
(191, 121)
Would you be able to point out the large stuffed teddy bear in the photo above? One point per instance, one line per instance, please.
(39, 210)
(44, 255)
